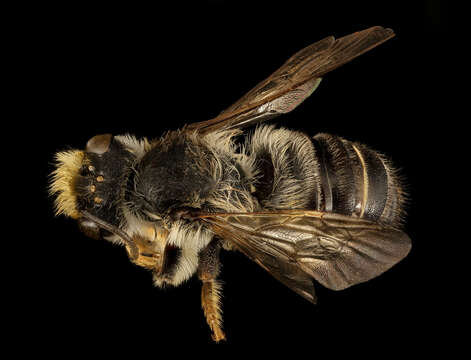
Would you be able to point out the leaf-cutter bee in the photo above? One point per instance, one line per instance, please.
(302, 208)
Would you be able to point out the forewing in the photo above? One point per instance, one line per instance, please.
(338, 251)
(278, 264)
(295, 80)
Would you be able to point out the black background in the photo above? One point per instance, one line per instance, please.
(82, 71)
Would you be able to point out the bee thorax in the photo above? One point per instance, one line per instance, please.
(186, 171)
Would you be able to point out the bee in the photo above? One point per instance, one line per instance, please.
(304, 208)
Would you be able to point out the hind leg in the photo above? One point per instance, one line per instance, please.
(208, 271)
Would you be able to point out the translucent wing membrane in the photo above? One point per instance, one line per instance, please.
(291, 84)
(295, 245)
(277, 263)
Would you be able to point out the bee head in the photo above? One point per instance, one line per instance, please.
(91, 181)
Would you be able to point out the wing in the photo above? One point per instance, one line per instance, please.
(293, 245)
(291, 84)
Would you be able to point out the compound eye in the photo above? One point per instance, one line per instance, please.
(89, 228)
(99, 144)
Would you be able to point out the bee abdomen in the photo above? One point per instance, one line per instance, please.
(357, 181)
(336, 175)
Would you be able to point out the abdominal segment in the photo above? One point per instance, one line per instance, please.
(325, 173)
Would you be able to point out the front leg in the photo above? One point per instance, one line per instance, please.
(208, 270)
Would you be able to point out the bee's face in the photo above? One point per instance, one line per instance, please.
(102, 177)
(92, 180)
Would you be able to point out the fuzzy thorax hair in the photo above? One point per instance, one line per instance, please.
(63, 180)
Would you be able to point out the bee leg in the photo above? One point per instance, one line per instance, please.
(208, 270)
